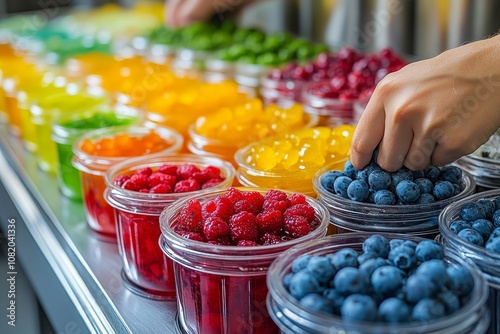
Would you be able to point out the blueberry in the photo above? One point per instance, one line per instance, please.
(435, 270)
(495, 234)
(394, 310)
(351, 280)
(457, 189)
(328, 180)
(425, 199)
(443, 190)
(386, 280)
(384, 197)
(400, 175)
(496, 218)
(418, 174)
(488, 206)
(371, 198)
(300, 263)
(459, 225)
(497, 202)
(346, 257)
(365, 256)
(432, 173)
(358, 191)
(407, 191)
(365, 173)
(471, 211)
(493, 245)
(403, 257)
(460, 280)
(302, 283)
(425, 185)
(359, 307)
(410, 243)
(429, 249)
(451, 174)
(418, 287)
(336, 298)
(321, 268)
(395, 243)
(377, 244)
(349, 170)
(286, 280)
(484, 227)
(315, 302)
(379, 180)
(428, 309)
(341, 184)
(471, 236)
(450, 301)
(369, 266)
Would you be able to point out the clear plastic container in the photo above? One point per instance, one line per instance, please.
(282, 92)
(43, 113)
(189, 63)
(249, 75)
(99, 214)
(292, 318)
(222, 289)
(146, 270)
(486, 172)
(415, 219)
(332, 111)
(217, 70)
(67, 129)
(488, 262)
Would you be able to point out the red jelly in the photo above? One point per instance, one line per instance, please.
(146, 270)
(221, 283)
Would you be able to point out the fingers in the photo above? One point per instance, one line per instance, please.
(397, 140)
(368, 133)
(420, 153)
(172, 12)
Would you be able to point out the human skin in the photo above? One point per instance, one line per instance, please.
(432, 111)
(183, 12)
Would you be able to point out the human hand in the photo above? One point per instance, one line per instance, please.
(432, 111)
(183, 12)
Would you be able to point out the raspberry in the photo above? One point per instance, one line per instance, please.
(141, 181)
(246, 243)
(220, 241)
(211, 183)
(212, 172)
(144, 190)
(186, 171)
(168, 169)
(185, 186)
(297, 199)
(130, 185)
(304, 210)
(256, 201)
(269, 239)
(296, 226)
(146, 171)
(243, 227)
(158, 178)
(274, 205)
(242, 205)
(208, 209)
(215, 228)
(276, 195)
(120, 180)
(190, 217)
(234, 195)
(224, 209)
(191, 235)
(161, 188)
(200, 177)
(270, 221)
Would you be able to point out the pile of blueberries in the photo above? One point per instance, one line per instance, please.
(479, 223)
(372, 184)
(396, 281)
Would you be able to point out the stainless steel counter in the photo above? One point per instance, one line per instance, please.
(76, 277)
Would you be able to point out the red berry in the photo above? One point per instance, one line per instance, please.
(274, 194)
(208, 209)
(296, 226)
(185, 186)
(211, 172)
(242, 205)
(220, 241)
(215, 228)
(269, 239)
(211, 183)
(168, 169)
(246, 243)
(256, 201)
(144, 190)
(224, 208)
(186, 171)
(243, 227)
(146, 171)
(270, 221)
(234, 195)
(274, 205)
(141, 181)
(158, 178)
(297, 199)
(130, 185)
(192, 236)
(120, 180)
(304, 210)
(200, 177)
(161, 188)
(190, 217)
